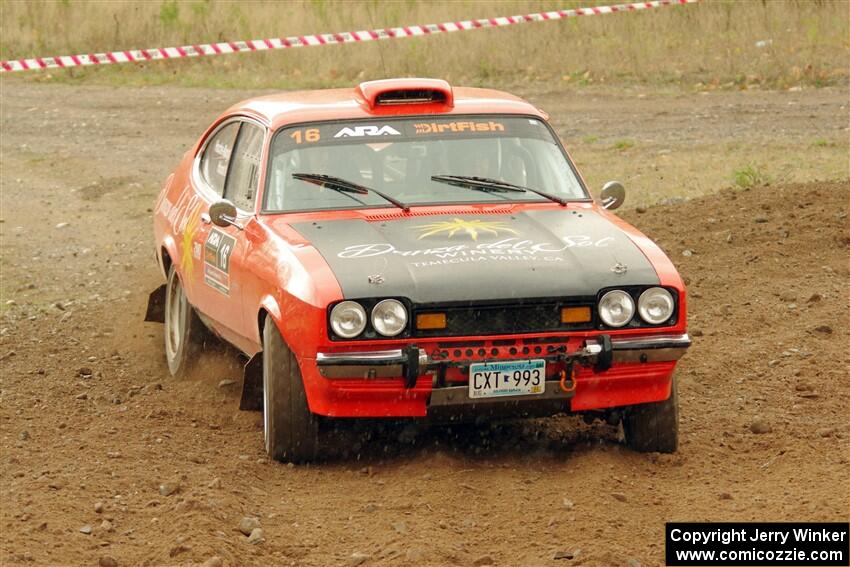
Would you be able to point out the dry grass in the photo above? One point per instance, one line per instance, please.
(712, 44)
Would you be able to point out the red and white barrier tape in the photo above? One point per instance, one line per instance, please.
(159, 53)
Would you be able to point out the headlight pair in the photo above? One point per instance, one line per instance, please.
(348, 319)
(617, 308)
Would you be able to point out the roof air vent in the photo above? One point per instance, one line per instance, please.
(393, 92)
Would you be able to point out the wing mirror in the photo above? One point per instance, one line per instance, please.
(613, 194)
(223, 213)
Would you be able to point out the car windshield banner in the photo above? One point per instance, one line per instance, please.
(388, 130)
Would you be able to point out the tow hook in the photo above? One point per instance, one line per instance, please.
(606, 356)
(411, 368)
(567, 381)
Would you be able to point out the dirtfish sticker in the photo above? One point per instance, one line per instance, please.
(217, 250)
(435, 128)
(361, 131)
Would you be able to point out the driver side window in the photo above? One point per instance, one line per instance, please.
(216, 158)
(242, 178)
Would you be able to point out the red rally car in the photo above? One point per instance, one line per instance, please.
(409, 249)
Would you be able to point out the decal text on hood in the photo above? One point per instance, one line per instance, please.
(528, 254)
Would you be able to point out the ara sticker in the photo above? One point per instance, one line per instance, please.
(217, 250)
(360, 131)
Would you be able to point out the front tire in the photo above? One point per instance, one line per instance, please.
(290, 430)
(653, 427)
(184, 332)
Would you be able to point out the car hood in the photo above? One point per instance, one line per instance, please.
(438, 259)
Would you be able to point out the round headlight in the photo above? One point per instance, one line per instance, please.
(616, 308)
(348, 319)
(655, 305)
(389, 317)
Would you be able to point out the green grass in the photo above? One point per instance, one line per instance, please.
(750, 176)
(623, 145)
(822, 143)
(710, 45)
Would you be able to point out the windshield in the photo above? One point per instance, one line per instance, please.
(399, 157)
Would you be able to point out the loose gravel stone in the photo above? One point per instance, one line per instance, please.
(256, 536)
(169, 488)
(248, 524)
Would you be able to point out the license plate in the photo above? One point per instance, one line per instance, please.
(508, 378)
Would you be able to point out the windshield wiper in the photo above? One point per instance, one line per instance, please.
(344, 186)
(489, 185)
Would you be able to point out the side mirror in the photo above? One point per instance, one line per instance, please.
(613, 195)
(223, 213)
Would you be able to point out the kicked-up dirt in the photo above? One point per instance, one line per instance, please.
(104, 456)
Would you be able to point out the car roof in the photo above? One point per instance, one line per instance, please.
(364, 101)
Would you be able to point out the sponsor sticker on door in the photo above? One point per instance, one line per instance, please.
(217, 250)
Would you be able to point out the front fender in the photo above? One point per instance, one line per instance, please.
(300, 324)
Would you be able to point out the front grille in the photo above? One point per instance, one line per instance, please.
(503, 319)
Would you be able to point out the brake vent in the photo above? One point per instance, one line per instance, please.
(410, 96)
(414, 213)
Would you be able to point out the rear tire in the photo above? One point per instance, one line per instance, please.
(653, 427)
(290, 430)
(184, 332)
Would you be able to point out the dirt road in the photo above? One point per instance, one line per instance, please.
(104, 455)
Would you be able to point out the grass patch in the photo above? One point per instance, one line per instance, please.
(590, 139)
(711, 45)
(750, 176)
(623, 145)
(823, 143)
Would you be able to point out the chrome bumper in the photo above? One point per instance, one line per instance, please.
(369, 364)
(411, 362)
(662, 348)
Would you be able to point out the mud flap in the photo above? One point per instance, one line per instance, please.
(156, 306)
(252, 384)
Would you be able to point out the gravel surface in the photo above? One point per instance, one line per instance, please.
(106, 460)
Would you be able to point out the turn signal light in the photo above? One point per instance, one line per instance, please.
(429, 321)
(575, 315)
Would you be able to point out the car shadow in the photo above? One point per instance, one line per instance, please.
(555, 438)
(368, 442)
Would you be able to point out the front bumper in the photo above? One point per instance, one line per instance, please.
(600, 353)
(413, 381)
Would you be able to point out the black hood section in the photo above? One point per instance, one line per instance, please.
(462, 258)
